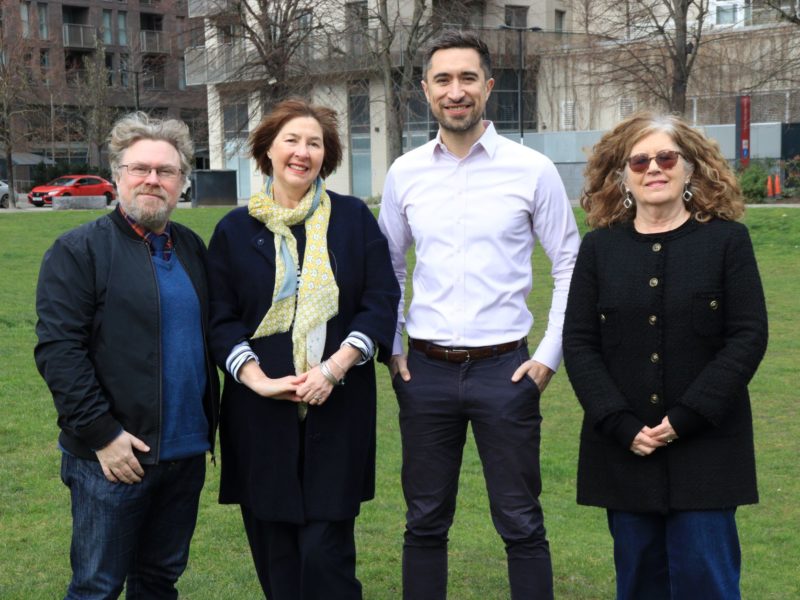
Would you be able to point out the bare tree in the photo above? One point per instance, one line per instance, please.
(786, 10)
(16, 91)
(656, 44)
(94, 95)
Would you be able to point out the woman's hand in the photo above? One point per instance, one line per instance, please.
(645, 443)
(316, 389)
(664, 432)
(283, 388)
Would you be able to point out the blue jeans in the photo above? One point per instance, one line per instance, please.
(684, 555)
(138, 532)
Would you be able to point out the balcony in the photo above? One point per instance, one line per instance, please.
(79, 36)
(224, 63)
(154, 42)
(208, 8)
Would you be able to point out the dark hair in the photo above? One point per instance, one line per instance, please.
(452, 38)
(715, 190)
(261, 139)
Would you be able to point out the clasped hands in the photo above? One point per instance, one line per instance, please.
(650, 439)
(311, 387)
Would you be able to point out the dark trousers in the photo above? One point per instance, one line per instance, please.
(136, 534)
(313, 561)
(436, 406)
(684, 555)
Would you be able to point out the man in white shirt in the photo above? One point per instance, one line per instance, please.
(473, 203)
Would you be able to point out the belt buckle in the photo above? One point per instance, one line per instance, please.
(447, 352)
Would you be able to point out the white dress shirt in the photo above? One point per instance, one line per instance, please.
(474, 222)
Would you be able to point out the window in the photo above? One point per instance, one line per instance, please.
(516, 16)
(122, 28)
(25, 18)
(44, 65)
(181, 74)
(123, 71)
(108, 37)
(235, 121)
(567, 115)
(41, 13)
(109, 69)
(726, 14)
(357, 16)
(360, 143)
(180, 27)
(561, 18)
(627, 107)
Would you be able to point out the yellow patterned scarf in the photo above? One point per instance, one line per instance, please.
(317, 300)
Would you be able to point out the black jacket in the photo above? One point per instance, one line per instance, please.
(99, 346)
(666, 324)
(260, 439)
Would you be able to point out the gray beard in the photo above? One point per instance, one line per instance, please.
(152, 220)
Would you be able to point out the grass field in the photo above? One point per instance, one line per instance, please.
(34, 505)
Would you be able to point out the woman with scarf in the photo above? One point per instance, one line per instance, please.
(303, 296)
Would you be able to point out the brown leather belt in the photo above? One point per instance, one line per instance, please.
(461, 355)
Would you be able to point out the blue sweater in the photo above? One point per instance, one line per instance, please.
(185, 428)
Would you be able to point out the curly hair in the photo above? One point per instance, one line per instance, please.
(715, 189)
(261, 139)
(140, 126)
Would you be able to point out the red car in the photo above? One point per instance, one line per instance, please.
(72, 185)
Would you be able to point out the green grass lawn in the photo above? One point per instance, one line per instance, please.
(34, 505)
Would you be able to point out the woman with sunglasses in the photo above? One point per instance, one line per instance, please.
(665, 326)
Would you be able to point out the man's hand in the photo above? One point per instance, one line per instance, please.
(541, 374)
(118, 461)
(399, 364)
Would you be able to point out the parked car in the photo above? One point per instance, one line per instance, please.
(4, 194)
(72, 185)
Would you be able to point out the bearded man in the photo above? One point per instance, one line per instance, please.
(122, 304)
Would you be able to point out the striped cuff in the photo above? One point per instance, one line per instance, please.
(240, 354)
(363, 344)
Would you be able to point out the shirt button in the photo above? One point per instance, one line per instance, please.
(652, 319)
(714, 305)
(656, 247)
(654, 399)
(653, 281)
(260, 241)
(654, 357)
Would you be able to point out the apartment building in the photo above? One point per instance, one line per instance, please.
(338, 62)
(142, 44)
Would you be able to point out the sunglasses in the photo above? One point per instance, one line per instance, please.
(666, 159)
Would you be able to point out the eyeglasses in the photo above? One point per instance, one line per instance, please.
(142, 170)
(666, 159)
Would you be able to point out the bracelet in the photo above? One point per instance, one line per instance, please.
(336, 362)
(326, 372)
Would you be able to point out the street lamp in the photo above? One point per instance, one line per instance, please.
(521, 67)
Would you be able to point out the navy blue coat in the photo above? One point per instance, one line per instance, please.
(666, 324)
(260, 437)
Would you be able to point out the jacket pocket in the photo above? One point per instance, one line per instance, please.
(707, 314)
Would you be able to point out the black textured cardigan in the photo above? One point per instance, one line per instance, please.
(662, 324)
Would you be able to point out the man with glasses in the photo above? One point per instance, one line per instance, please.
(122, 304)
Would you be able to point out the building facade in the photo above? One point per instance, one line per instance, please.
(88, 61)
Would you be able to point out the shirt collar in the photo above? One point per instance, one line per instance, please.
(487, 141)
